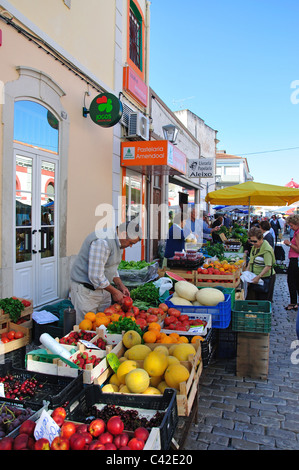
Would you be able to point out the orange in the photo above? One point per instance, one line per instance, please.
(90, 316)
(102, 321)
(154, 326)
(85, 324)
(150, 336)
(174, 337)
(195, 338)
(100, 314)
(183, 339)
(114, 317)
(166, 340)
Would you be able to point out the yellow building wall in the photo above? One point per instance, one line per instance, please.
(86, 30)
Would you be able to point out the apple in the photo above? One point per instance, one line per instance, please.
(125, 448)
(121, 440)
(6, 443)
(60, 443)
(59, 415)
(96, 427)
(67, 429)
(21, 442)
(115, 425)
(110, 446)
(27, 427)
(77, 441)
(87, 437)
(136, 444)
(96, 445)
(106, 438)
(141, 433)
(42, 444)
(82, 428)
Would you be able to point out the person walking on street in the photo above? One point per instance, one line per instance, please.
(275, 225)
(94, 277)
(293, 269)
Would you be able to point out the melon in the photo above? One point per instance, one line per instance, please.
(175, 374)
(155, 363)
(174, 276)
(137, 380)
(131, 338)
(186, 290)
(137, 352)
(183, 350)
(180, 301)
(210, 296)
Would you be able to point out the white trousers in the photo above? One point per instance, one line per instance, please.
(86, 300)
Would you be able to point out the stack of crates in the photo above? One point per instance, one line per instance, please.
(252, 320)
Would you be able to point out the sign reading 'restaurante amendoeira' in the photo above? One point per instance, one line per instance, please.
(106, 110)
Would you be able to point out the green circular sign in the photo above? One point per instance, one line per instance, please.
(106, 110)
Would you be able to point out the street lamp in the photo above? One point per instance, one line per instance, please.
(170, 132)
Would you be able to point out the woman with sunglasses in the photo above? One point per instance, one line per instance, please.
(261, 263)
(293, 269)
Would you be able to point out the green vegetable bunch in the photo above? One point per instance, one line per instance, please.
(216, 249)
(133, 264)
(13, 307)
(148, 293)
(239, 233)
(123, 324)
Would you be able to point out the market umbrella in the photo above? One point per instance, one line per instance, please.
(252, 193)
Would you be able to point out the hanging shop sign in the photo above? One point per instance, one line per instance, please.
(201, 168)
(153, 157)
(133, 85)
(105, 110)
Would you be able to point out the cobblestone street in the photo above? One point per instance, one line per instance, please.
(236, 413)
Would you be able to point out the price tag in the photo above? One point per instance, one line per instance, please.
(46, 427)
(2, 393)
(197, 329)
(88, 344)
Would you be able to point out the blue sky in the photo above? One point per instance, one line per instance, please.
(232, 62)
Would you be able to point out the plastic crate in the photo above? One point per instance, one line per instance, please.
(208, 347)
(252, 316)
(16, 357)
(51, 328)
(36, 411)
(226, 290)
(57, 390)
(226, 343)
(221, 313)
(80, 408)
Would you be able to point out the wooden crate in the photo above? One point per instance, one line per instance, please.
(186, 395)
(252, 355)
(211, 280)
(188, 274)
(7, 326)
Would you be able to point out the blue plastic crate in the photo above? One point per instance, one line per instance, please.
(221, 313)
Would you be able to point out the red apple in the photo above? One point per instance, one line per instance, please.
(125, 448)
(59, 411)
(6, 443)
(115, 425)
(27, 427)
(136, 444)
(42, 444)
(96, 427)
(121, 440)
(87, 437)
(106, 438)
(96, 445)
(110, 446)
(82, 428)
(77, 441)
(59, 420)
(59, 443)
(141, 433)
(67, 429)
(21, 442)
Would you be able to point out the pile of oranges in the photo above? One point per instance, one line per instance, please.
(93, 320)
(155, 335)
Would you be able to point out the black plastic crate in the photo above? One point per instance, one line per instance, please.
(227, 343)
(80, 408)
(208, 347)
(16, 357)
(34, 411)
(51, 328)
(56, 390)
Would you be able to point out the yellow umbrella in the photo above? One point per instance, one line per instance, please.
(252, 193)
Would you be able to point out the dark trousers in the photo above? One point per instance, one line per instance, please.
(293, 280)
(253, 295)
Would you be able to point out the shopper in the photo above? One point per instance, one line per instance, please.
(95, 269)
(275, 225)
(261, 263)
(265, 226)
(175, 238)
(293, 269)
(217, 223)
(194, 225)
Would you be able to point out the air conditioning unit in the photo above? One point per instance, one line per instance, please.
(138, 127)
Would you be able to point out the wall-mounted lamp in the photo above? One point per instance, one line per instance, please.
(170, 132)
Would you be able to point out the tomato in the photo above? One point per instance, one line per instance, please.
(174, 312)
(19, 334)
(11, 334)
(4, 335)
(5, 340)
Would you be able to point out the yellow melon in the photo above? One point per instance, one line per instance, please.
(152, 391)
(172, 360)
(124, 389)
(110, 388)
(131, 338)
(124, 368)
(137, 380)
(155, 363)
(183, 350)
(154, 381)
(175, 374)
(114, 380)
(138, 352)
(162, 349)
(162, 385)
